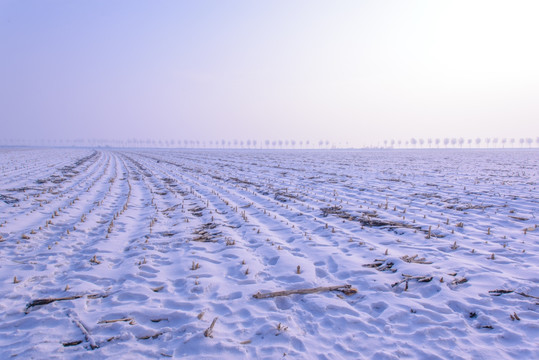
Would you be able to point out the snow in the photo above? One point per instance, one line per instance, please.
(165, 241)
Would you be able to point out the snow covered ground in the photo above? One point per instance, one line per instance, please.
(148, 247)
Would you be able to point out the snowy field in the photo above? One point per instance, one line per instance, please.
(137, 252)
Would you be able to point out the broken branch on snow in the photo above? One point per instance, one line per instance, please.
(499, 292)
(410, 277)
(346, 289)
(209, 331)
(38, 302)
(84, 330)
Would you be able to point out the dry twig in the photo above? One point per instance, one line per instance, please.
(115, 320)
(38, 302)
(346, 289)
(84, 330)
(410, 277)
(209, 331)
(499, 292)
(415, 259)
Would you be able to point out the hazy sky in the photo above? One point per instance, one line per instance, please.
(347, 71)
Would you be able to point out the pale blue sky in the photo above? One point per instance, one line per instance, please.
(347, 71)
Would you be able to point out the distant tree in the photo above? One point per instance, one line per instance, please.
(478, 141)
(529, 141)
(521, 141)
(248, 144)
(446, 141)
(399, 142)
(385, 143)
(274, 143)
(267, 143)
(495, 141)
(307, 143)
(293, 143)
(413, 141)
(301, 144)
(469, 142)
(487, 140)
(327, 143)
(421, 142)
(429, 141)
(437, 142)
(504, 140)
(461, 142)
(235, 143)
(286, 142)
(512, 141)
(281, 144)
(537, 140)
(453, 142)
(254, 143)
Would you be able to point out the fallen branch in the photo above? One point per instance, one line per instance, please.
(410, 277)
(97, 296)
(374, 265)
(153, 336)
(346, 289)
(209, 331)
(499, 292)
(50, 300)
(459, 281)
(527, 295)
(84, 330)
(381, 265)
(115, 320)
(72, 343)
(415, 259)
(39, 302)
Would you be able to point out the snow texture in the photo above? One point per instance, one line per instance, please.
(148, 247)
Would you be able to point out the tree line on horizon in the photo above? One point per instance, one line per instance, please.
(172, 143)
(460, 142)
(275, 144)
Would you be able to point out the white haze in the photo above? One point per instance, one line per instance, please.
(354, 72)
